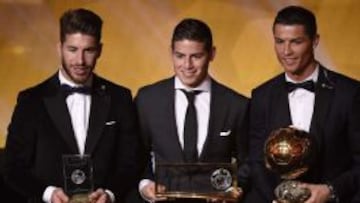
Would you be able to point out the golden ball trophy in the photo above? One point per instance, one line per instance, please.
(288, 152)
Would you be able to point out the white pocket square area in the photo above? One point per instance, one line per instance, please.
(110, 123)
(225, 133)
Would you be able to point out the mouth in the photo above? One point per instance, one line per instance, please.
(80, 70)
(189, 73)
(289, 61)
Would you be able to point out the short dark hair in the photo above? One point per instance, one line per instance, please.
(193, 29)
(80, 20)
(297, 15)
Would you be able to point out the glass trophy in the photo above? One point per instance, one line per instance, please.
(78, 177)
(196, 180)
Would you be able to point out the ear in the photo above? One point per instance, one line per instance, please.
(316, 41)
(212, 53)
(100, 50)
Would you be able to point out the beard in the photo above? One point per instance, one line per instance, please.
(70, 74)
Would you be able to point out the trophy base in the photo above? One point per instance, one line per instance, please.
(228, 196)
(290, 192)
(79, 198)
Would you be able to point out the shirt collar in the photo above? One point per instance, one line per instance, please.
(204, 86)
(314, 76)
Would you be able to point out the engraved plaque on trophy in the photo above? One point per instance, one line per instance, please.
(78, 177)
(288, 152)
(196, 180)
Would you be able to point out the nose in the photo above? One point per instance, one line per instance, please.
(287, 49)
(80, 58)
(188, 62)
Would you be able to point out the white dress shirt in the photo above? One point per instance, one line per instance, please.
(79, 108)
(202, 105)
(301, 103)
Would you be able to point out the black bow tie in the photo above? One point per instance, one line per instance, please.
(70, 90)
(308, 85)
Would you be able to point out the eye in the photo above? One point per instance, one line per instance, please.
(279, 41)
(72, 49)
(298, 41)
(91, 50)
(179, 55)
(198, 56)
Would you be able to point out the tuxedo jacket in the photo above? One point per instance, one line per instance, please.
(41, 132)
(228, 113)
(335, 132)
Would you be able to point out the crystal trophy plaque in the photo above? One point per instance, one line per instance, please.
(78, 177)
(196, 180)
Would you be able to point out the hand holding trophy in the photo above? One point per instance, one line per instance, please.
(288, 152)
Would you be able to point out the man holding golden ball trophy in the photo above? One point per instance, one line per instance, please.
(304, 123)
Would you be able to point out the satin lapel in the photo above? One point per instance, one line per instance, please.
(59, 114)
(217, 117)
(100, 106)
(169, 120)
(279, 106)
(324, 92)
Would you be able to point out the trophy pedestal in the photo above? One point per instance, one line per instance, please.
(289, 191)
(227, 196)
(289, 152)
(79, 198)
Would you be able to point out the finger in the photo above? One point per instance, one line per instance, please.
(94, 196)
(161, 188)
(103, 198)
(150, 192)
(311, 199)
(59, 196)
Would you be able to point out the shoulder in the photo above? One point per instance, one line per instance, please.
(269, 85)
(156, 87)
(341, 81)
(110, 87)
(40, 90)
(226, 91)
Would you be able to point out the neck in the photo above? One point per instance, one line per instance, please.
(302, 75)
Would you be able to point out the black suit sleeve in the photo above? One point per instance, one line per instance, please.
(128, 163)
(242, 145)
(257, 133)
(20, 144)
(348, 181)
(146, 163)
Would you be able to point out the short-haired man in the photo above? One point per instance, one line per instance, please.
(221, 113)
(313, 98)
(74, 112)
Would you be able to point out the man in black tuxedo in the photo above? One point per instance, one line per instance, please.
(221, 113)
(322, 102)
(74, 112)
